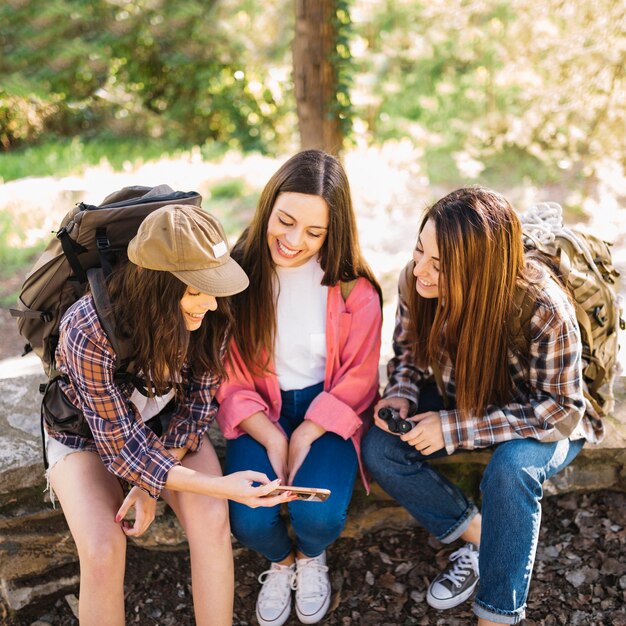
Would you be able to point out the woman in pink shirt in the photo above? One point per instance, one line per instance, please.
(303, 374)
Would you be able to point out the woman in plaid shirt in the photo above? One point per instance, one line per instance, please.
(153, 442)
(456, 300)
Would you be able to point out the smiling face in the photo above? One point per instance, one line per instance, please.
(194, 306)
(297, 228)
(426, 257)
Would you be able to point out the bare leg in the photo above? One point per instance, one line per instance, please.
(486, 622)
(205, 521)
(472, 532)
(90, 496)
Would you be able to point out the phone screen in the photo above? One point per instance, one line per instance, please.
(305, 494)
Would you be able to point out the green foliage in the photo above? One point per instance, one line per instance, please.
(13, 253)
(344, 67)
(476, 84)
(234, 213)
(229, 188)
(501, 89)
(180, 70)
(64, 156)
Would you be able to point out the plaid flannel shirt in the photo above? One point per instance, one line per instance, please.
(547, 387)
(128, 448)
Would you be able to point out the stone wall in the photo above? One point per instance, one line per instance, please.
(38, 556)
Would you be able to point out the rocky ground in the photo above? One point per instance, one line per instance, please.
(381, 578)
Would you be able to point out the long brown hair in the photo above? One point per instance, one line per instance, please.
(482, 263)
(146, 309)
(310, 172)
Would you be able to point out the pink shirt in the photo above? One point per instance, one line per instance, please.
(350, 383)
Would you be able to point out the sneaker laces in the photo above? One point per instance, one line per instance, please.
(311, 580)
(465, 561)
(277, 585)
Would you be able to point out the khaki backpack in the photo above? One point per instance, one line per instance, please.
(584, 264)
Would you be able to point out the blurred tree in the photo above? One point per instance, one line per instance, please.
(520, 86)
(194, 71)
(319, 51)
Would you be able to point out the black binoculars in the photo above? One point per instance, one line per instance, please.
(395, 424)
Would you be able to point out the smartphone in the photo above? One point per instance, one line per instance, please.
(306, 494)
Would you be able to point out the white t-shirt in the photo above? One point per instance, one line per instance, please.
(300, 350)
(149, 407)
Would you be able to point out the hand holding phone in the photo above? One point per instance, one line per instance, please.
(305, 494)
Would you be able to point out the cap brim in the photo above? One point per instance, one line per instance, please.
(224, 280)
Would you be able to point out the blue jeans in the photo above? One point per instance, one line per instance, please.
(511, 490)
(331, 463)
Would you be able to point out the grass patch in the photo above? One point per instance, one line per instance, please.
(13, 254)
(233, 213)
(60, 157)
(228, 189)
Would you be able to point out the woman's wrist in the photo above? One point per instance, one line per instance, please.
(263, 430)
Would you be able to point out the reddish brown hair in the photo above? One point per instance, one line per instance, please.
(481, 254)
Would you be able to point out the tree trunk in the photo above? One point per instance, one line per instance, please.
(314, 75)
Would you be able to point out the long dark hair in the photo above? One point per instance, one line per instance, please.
(146, 310)
(310, 172)
(482, 263)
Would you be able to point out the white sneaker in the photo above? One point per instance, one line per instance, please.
(312, 589)
(273, 605)
(457, 582)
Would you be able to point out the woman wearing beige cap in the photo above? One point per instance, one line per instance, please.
(304, 375)
(148, 432)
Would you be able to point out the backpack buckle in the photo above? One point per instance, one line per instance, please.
(598, 317)
(102, 241)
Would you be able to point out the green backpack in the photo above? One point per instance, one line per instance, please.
(584, 264)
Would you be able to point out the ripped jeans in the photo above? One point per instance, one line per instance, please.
(511, 487)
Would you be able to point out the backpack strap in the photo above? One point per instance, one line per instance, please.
(97, 284)
(524, 307)
(72, 249)
(434, 366)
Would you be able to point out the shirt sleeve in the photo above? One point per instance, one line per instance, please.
(127, 447)
(194, 415)
(554, 389)
(354, 387)
(404, 377)
(237, 396)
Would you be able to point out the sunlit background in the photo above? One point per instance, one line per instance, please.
(526, 96)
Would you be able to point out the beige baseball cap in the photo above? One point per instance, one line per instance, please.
(190, 243)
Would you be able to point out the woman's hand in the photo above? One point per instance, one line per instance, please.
(300, 445)
(400, 404)
(272, 438)
(238, 487)
(145, 509)
(278, 454)
(427, 434)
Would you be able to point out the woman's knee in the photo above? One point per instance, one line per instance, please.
(511, 472)
(323, 523)
(208, 515)
(102, 553)
(248, 524)
(373, 450)
(387, 455)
